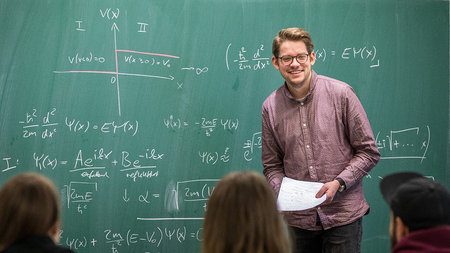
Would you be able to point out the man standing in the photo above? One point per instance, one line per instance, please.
(315, 129)
(420, 213)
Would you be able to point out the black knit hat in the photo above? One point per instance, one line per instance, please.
(420, 202)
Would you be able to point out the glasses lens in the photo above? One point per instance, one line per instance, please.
(302, 58)
(286, 60)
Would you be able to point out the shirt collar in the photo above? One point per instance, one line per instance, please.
(308, 96)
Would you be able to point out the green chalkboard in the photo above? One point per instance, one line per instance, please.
(137, 108)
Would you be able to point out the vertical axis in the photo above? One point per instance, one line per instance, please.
(114, 27)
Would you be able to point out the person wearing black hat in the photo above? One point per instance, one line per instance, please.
(420, 213)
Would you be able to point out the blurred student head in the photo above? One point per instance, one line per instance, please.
(29, 206)
(416, 202)
(242, 217)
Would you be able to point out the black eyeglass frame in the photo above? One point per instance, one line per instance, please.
(297, 58)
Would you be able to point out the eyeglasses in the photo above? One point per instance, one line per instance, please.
(287, 60)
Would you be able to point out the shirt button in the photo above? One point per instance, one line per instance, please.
(310, 167)
(302, 103)
(307, 146)
(304, 124)
(318, 208)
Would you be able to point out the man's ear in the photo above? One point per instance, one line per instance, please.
(402, 229)
(275, 62)
(312, 58)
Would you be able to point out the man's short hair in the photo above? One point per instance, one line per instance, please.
(420, 202)
(294, 34)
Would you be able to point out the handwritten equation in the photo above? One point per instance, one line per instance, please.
(45, 125)
(244, 58)
(120, 240)
(204, 125)
(97, 163)
(78, 195)
(409, 143)
(213, 157)
(142, 197)
(195, 190)
(363, 53)
(251, 145)
(247, 59)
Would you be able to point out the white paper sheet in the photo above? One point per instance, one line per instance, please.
(298, 195)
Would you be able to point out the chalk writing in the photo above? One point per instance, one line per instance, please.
(134, 166)
(77, 59)
(10, 164)
(198, 71)
(44, 161)
(41, 125)
(259, 59)
(119, 239)
(77, 243)
(85, 165)
(211, 158)
(173, 123)
(129, 58)
(144, 197)
(45, 126)
(142, 27)
(109, 13)
(80, 193)
(80, 126)
(95, 164)
(139, 173)
(409, 143)
(251, 144)
(152, 237)
(195, 190)
(206, 125)
(142, 59)
(248, 59)
(78, 26)
(245, 59)
(366, 53)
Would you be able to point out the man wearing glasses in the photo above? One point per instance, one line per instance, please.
(315, 129)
